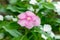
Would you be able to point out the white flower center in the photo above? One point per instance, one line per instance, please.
(28, 18)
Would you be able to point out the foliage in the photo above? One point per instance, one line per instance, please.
(13, 31)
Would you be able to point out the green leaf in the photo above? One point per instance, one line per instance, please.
(12, 25)
(59, 28)
(13, 1)
(12, 8)
(2, 9)
(1, 24)
(23, 37)
(16, 38)
(16, 9)
(1, 36)
(58, 20)
(48, 5)
(14, 33)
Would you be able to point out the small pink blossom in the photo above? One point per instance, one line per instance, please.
(28, 19)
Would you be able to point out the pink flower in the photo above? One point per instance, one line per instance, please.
(28, 19)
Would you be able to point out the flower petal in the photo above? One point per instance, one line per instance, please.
(37, 21)
(22, 22)
(47, 28)
(22, 16)
(29, 13)
(29, 25)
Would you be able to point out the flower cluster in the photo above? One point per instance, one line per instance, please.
(8, 17)
(57, 6)
(47, 28)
